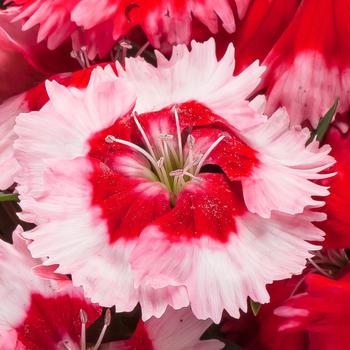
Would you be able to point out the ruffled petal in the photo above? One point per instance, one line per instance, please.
(195, 75)
(283, 179)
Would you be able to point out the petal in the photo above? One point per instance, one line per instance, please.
(74, 118)
(231, 270)
(283, 179)
(194, 75)
(84, 246)
(8, 163)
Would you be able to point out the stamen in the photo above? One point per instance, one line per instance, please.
(148, 144)
(207, 153)
(166, 136)
(319, 268)
(160, 162)
(177, 172)
(107, 322)
(83, 320)
(190, 142)
(178, 132)
(142, 49)
(111, 139)
(125, 45)
(81, 56)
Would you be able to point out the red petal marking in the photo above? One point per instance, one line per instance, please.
(140, 339)
(207, 208)
(128, 204)
(234, 157)
(337, 205)
(50, 319)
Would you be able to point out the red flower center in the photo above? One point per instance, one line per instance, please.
(150, 164)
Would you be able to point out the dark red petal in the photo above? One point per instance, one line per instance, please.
(205, 208)
(337, 205)
(262, 26)
(128, 204)
(234, 157)
(50, 319)
(140, 339)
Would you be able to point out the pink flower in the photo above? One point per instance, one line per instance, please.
(178, 330)
(308, 68)
(99, 24)
(24, 62)
(37, 313)
(165, 186)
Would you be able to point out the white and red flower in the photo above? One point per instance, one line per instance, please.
(178, 330)
(37, 313)
(99, 24)
(167, 186)
(308, 68)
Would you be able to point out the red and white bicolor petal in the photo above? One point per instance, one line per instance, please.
(84, 246)
(231, 267)
(31, 100)
(285, 163)
(308, 68)
(176, 329)
(143, 179)
(66, 134)
(36, 314)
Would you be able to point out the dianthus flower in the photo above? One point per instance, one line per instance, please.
(165, 185)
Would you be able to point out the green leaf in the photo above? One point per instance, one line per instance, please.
(324, 123)
(8, 197)
(255, 306)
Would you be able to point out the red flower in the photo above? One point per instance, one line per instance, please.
(322, 311)
(337, 208)
(310, 64)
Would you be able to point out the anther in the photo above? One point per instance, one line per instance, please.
(177, 172)
(83, 320)
(166, 136)
(125, 44)
(107, 322)
(160, 162)
(110, 139)
(190, 141)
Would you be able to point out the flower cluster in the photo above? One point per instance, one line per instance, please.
(174, 174)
